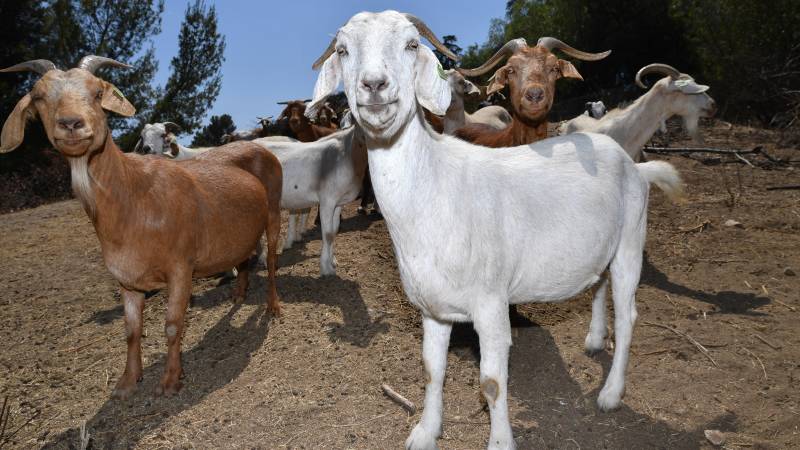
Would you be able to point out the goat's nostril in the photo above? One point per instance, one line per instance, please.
(375, 84)
(71, 123)
(534, 94)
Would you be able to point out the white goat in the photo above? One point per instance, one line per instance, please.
(456, 116)
(327, 172)
(633, 126)
(579, 212)
(159, 139)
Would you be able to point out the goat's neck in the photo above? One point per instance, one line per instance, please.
(523, 134)
(643, 117)
(455, 116)
(109, 199)
(403, 172)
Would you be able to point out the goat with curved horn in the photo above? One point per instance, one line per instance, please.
(40, 66)
(91, 63)
(552, 43)
(663, 69)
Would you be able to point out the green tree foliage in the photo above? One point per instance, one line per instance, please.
(449, 41)
(211, 134)
(196, 78)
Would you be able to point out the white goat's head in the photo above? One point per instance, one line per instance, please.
(385, 72)
(460, 87)
(596, 109)
(156, 137)
(686, 98)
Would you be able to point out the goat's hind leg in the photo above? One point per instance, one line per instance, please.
(242, 280)
(435, 341)
(329, 222)
(596, 338)
(273, 232)
(626, 268)
(180, 289)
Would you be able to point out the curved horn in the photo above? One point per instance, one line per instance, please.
(172, 127)
(663, 69)
(428, 34)
(505, 51)
(40, 66)
(552, 43)
(91, 63)
(307, 100)
(328, 52)
(138, 147)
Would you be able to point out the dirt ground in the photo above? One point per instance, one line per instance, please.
(311, 379)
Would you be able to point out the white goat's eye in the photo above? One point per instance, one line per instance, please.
(341, 51)
(412, 45)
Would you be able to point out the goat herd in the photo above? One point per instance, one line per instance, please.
(474, 229)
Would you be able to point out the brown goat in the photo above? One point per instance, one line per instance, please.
(301, 126)
(531, 74)
(151, 238)
(326, 117)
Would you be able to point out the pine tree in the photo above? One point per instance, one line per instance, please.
(211, 134)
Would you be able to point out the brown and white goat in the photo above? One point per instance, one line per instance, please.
(531, 74)
(151, 239)
(301, 126)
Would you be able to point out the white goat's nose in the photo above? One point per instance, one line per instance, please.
(374, 82)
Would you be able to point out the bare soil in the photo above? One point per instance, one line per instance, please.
(311, 379)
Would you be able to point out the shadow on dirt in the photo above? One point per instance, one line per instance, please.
(358, 328)
(221, 356)
(726, 302)
(555, 412)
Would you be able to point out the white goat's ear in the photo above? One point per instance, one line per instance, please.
(471, 88)
(14, 128)
(329, 76)
(114, 101)
(688, 86)
(431, 86)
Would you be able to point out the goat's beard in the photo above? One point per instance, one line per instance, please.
(690, 124)
(82, 182)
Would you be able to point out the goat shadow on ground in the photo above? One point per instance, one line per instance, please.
(358, 329)
(726, 302)
(219, 357)
(556, 414)
(358, 222)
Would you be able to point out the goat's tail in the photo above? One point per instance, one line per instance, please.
(665, 176)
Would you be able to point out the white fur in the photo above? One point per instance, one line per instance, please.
(578, 208)
(82, 182)
(634, 125)
(327, 172)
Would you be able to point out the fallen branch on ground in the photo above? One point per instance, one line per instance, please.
(686, 336)
(399, 399)
(720, 151)
(784, 188)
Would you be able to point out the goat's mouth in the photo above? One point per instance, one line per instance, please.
(74, 146)
(376, 107)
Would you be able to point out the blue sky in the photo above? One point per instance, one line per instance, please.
(271, 44)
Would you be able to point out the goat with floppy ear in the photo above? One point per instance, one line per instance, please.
(531, 74)
(461, 256)
(149, 238)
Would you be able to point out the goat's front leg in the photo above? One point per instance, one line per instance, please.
(435, 340)
(134, 304)
(180, 289)
(494, 333)
(290, 230)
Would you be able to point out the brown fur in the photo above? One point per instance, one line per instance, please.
(528, 71)
(300, 125)
(436, 122)
(150, 237)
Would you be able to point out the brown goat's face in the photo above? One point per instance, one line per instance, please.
(71, 107)
(295, 113)
(531, 74)
(325, 117)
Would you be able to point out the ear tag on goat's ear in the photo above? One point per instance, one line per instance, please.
(682, 83)
(440, 70)
(117, 93)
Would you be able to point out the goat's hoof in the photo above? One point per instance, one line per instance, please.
(168, 388)
(594, 344)
(274, 309)
(421, 439)
(610, 398)
(123, 391)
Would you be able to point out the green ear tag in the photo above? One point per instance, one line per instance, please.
(118, 94)
(440, 70)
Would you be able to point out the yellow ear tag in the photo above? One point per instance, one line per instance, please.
(118, 94)
(440, 70)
